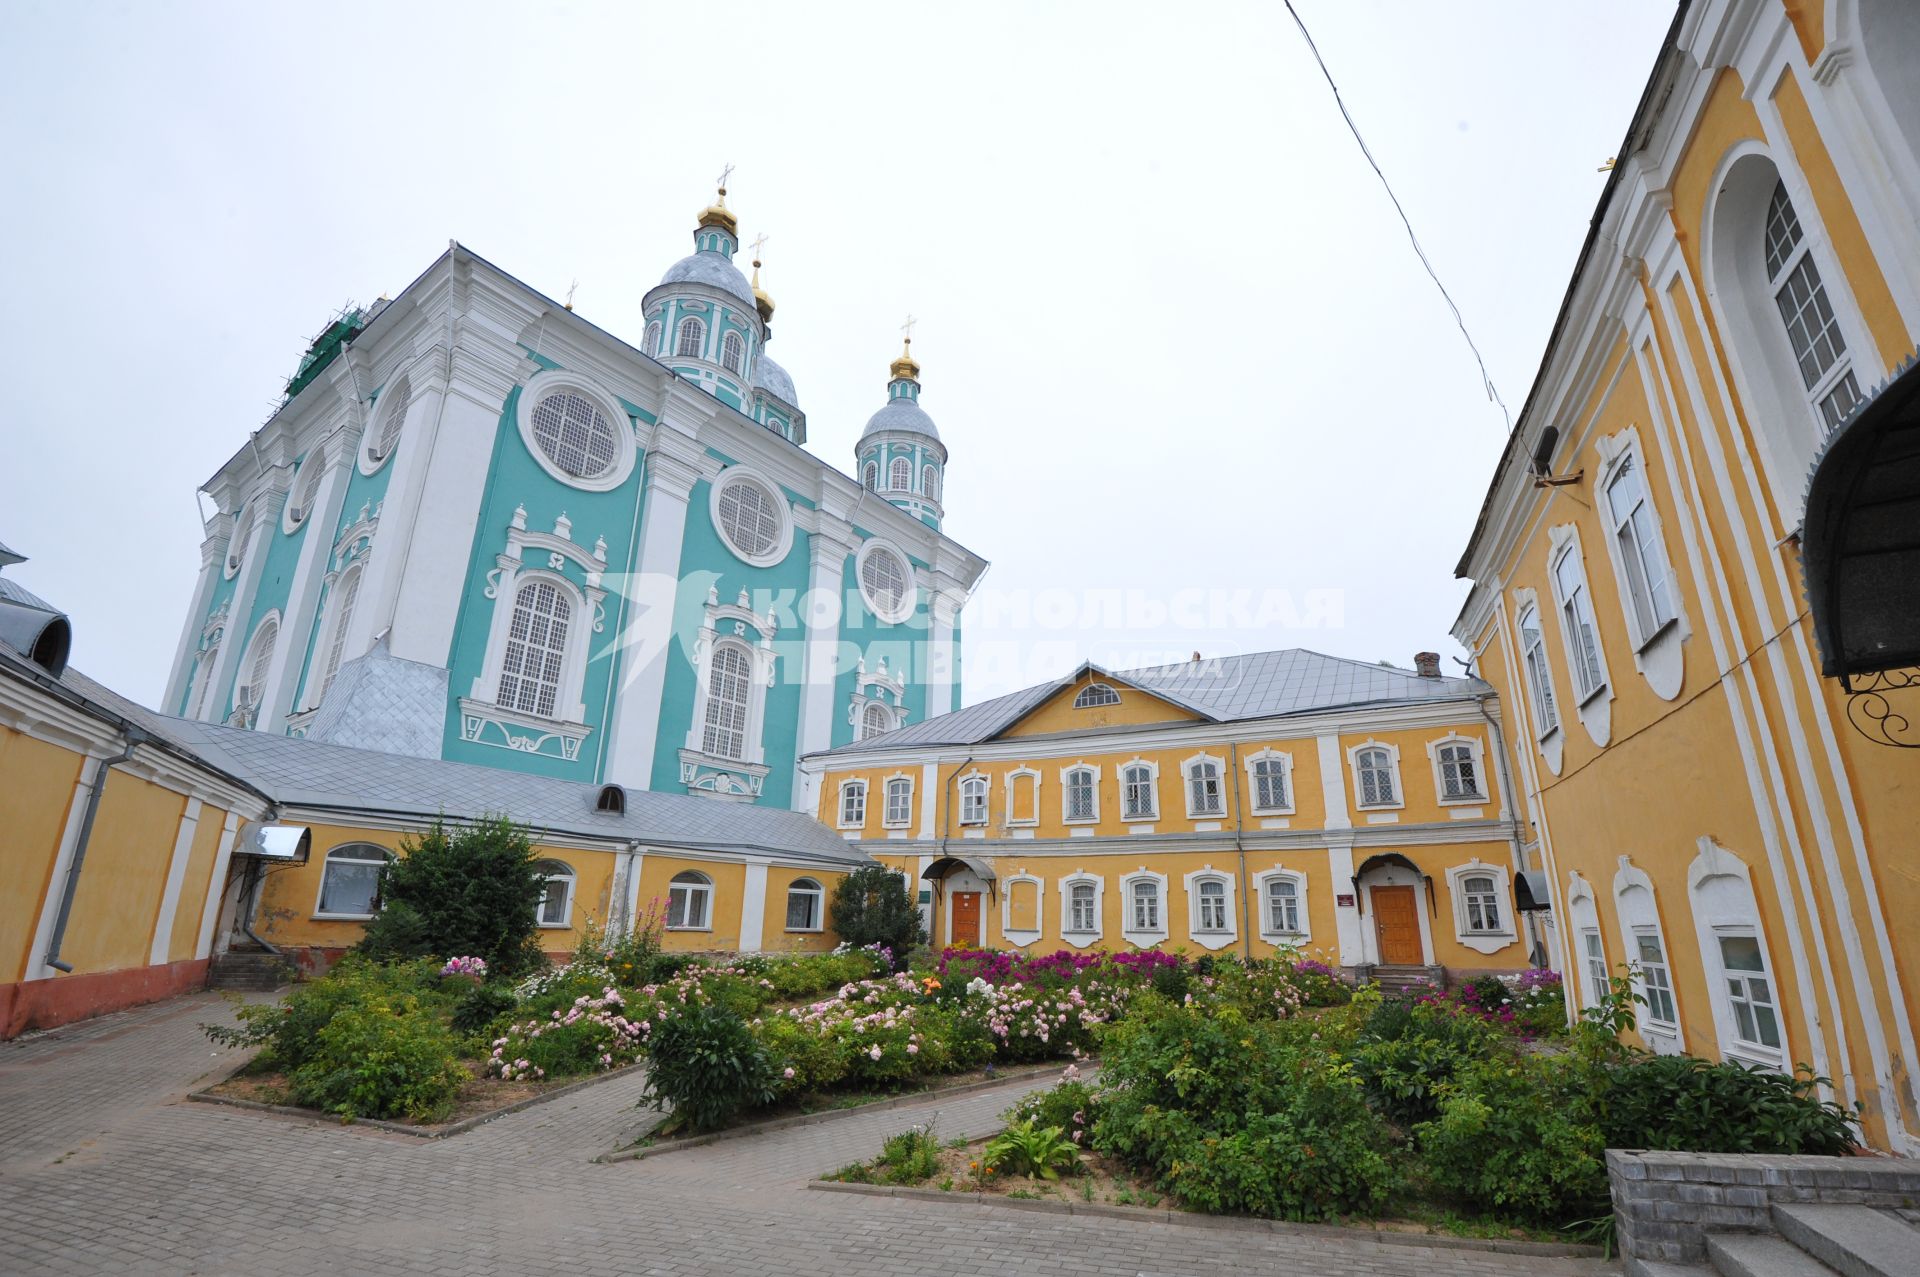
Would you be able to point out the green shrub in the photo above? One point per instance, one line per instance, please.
(1171, 981)
(704, 1063)
(1070, 1104)
(1516, 1136)
(479, 1007)
(383, 1058)
(871, 905)
(289, 1030)
(468, 889)
(805, 1060)
(1678, 1102)
(1024, 1148)
(911, 1157)
(1409, 1052)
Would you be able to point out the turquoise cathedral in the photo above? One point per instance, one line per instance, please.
(482, 528)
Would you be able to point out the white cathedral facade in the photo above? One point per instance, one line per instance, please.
(483, 529)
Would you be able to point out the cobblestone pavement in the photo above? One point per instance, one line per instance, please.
(103, 1168)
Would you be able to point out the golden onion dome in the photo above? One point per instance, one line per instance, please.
(761, 302)
(905, 366)
(718, 214)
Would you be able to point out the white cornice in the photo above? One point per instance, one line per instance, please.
(1252, 839)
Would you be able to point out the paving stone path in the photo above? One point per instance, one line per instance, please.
(104, 1168)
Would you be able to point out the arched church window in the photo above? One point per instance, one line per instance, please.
(900, 475)
(875, 719)
(732, 351)
(394, 402)
(729, 687)
(871, 477)
(930, 483)
(536, 649)
(1813, 331)
(693, 335)
(345, 590)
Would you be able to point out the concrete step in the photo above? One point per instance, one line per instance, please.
(1653, 1268)
(241, 969)
(1857, 1241)
(1760, 1255)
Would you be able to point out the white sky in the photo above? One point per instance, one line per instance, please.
(1170, 328)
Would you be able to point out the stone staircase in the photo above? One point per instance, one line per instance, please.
(1399, 979)
(1813, 1240)
(248, 968)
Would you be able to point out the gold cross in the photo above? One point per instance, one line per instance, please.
(757, 242)
(725, 173)
(907, 327)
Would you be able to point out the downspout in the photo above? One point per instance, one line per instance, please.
(134, 737)
(1240, 850)
(1516, 850)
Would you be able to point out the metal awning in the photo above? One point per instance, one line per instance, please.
(1531, 891)
(1860, 541)
(291, 844)
(947, 864)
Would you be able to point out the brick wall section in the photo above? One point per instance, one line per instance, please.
(1665, 1204)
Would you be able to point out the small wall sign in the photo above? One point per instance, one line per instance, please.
(1345, 902)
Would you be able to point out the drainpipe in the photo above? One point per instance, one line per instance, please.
(1240, 850)
(134, 737)
(1516, 850)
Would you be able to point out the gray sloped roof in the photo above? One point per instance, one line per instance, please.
(379, 701)
(713, 270)
(773, 379)
(901, 414)
(1225, 689)
(308, 773)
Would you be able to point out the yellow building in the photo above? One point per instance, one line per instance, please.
(139, 850)
(1242, 804)
(1699, 646)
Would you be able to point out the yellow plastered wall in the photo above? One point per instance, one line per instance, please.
(125, 875)
(729, 890)
(774, 935)
(34, 805)
(1056, 714)
(1419, 787)
(193, 885)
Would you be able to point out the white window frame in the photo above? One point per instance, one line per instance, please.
(851, 797)
(1635, 574)
(1393, 770)
(701, 890)
(1636, 906)
(732, 343)
(343, 595)
(1153, 791)
(651, 341)
(930, 481)
(816, 891)
(1476, 758)
(550, 382)
(874, 718)
(1014, 819)
(1080, 937)
(1483, 939)
(782, 509)
(1536, 668)
(1270, 933)
(1584, 917)
(1720, 891)
(249, 659)
(308, 475)
(382, 429)
(1190, 780)
(1021, 937)
(909, 599)
(870, 476)
(900, 475)
(1091, 696)
(888, 791)
(1143, 937)
(1285, 761)
(699, 342)
(1567, 551)
(976, 800)
(754, 633)
(568, 706)
(1217, 937)
(556, 871)
(333, 853)
(1066, 794)
(1799, 257)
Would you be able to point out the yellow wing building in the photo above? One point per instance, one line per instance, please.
(1243, 804)
(1696, 574)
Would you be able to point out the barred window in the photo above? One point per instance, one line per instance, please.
(1080, 794)
(536, 650)
(1203, 789)
(729, 687)
(875, 719)
(346, 589)
(883, 579)
(693, 336)
(1459, 776)
(930, 483)
(749, 517)
(1376, 777)
(1137, 789)
(1094, 695)
(1270, 783)
(575, 435)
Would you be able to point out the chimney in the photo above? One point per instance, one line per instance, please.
(1196, 658)
(1427, 664)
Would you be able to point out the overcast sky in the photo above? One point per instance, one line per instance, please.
(1170, 329)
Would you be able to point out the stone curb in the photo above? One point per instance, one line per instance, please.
(813, 1119)
(400, 1128)
(1189, 1219)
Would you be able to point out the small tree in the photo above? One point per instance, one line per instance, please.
(467, 890)
(872, 906)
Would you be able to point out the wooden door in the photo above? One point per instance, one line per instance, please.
(1396, 921)
(966, 919)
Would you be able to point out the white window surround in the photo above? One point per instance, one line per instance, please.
(236, 553)
(851, 810)
(1217, 937)
(871, 476)
(482, 719)
(1128, 809)
(389, 422)
(1134, 934)
(359, 859)
(733, 352)
(1285, 762)
(651, 342)
(812, 898)
(1720, 890)
(1015, 818)
(930, 482)
(1534, 667)
(1067, 794)
(1639, 915)
(343, 591)
(752, 635)
(255, 663)
(1565, 558)
(1485, 940)
(897, 801)
(975, 789)
(547, 383)
(1477, 758)
(1021, 937)
(782, 510)
(870, 707)
(902, 608)
(306, 489)
(1393, 772)
(900, 475)
(690, 340)
(1584, 915)
(1656, 638)
(559, 876)
(1268, 932)
(1094, 695)
(1194, 778)
(1081, 937)
(690, 895)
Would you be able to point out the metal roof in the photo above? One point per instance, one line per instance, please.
(1223, 689)
(901, 414)
(715, 271)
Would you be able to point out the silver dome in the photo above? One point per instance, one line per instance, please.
(901, 414)
(713, 270)
(773, 379)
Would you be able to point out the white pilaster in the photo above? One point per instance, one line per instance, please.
(1333, 783)
(176, 876)
(216, 887)
(263, 509)
(753, 907)
(212, 549)
(942, 610)
(284, 675)
(1346, 917)
(929, 800)
(820, 612)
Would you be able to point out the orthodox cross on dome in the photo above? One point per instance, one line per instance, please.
(907, 328)
(721, 182)
(758, 240)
